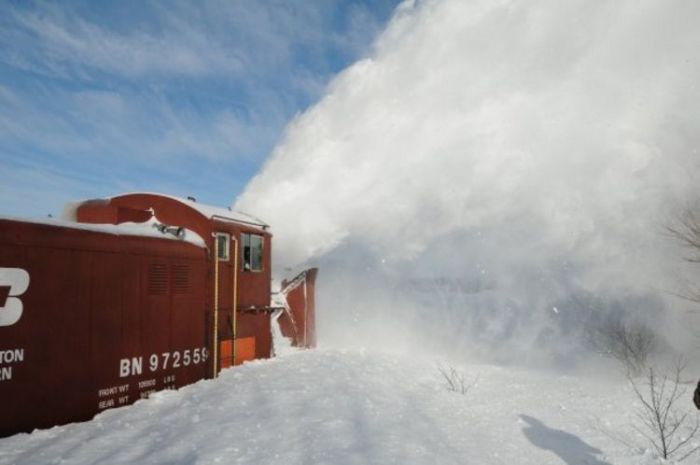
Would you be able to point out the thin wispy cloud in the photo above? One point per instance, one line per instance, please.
(147, 87)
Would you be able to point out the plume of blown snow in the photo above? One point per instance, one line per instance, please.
(495, 175)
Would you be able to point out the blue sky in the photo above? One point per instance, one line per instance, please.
(186, 98)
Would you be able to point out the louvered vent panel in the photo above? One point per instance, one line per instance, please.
(157, 279)
(180, 279)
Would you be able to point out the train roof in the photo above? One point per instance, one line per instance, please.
(147, 229)
(213, 212)
(170, 211)
(208, 211)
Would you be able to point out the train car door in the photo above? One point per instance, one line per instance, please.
(225, 294)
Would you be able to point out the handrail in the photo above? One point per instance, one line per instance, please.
(215, 351)
(234, 304)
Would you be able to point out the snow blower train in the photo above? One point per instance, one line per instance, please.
(131, 295)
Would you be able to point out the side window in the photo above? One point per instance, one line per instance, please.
(252, 252)
(222, 240)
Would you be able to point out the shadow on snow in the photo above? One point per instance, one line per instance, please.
(570, 448)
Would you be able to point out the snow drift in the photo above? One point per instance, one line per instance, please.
(495, 175)
(361, 408)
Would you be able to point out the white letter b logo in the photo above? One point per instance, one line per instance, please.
(17, 280)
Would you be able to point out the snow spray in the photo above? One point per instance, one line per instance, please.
(495, 176)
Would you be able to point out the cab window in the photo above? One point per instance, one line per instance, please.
(252, 252)
(222, 244)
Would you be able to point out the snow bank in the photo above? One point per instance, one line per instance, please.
(340, 407)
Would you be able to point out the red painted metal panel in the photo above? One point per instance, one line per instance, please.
(107, 319)
(299, 321)
(89, 337)
(254, 287)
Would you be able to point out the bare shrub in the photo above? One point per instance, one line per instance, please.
(455, 379)
(685, 229)
(668, 427)
(630, 343)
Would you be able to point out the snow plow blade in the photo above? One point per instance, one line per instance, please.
(298, 321)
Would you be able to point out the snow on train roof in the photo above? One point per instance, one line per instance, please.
(210, 211)
(146, 229)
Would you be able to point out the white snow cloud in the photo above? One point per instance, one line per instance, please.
(534, 149)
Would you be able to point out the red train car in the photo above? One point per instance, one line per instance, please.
(140, 292)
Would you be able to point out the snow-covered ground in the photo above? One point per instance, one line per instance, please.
(352, 407)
